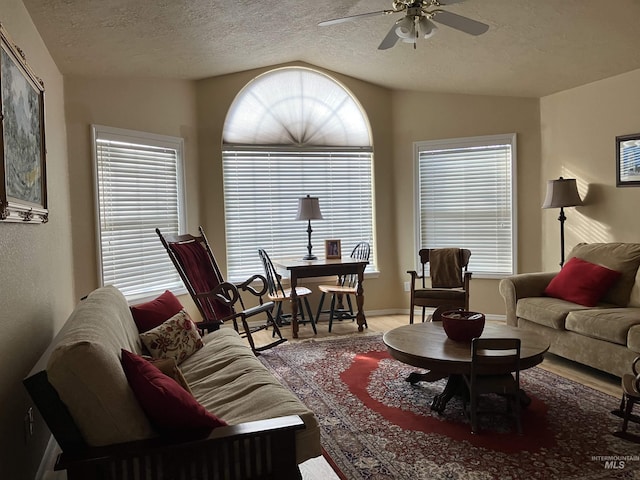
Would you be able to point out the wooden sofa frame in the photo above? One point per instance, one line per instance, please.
(264, 449)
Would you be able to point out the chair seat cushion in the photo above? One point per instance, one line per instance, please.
(440, 293)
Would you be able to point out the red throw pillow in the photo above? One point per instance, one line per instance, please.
(151, 314)
(582, 282)
(169, 407)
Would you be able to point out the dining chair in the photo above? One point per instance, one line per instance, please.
(449, 280)
(630, 397)
(219, 301)
(278, 294)
(495, 369)
(343, 289)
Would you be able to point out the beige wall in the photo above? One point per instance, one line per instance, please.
(215, 96)
(579, 127)
(36, 293)
(433, 116)
(165, 107)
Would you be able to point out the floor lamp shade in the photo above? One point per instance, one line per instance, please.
(561, 193)
(309, 209)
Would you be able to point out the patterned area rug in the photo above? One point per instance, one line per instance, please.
(375, 425)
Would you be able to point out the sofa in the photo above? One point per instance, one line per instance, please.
(85, 397)
(603, 332)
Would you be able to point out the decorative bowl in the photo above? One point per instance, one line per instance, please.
(462, 326)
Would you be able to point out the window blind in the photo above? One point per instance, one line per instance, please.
(262, 187)
(466, 200)
(139, 189)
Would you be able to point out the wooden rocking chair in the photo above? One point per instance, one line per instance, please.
(216, 299)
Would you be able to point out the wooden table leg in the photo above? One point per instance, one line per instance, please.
(362, 321)
(455, 386)
(294, 305)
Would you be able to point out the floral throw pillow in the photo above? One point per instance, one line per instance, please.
(176, 338)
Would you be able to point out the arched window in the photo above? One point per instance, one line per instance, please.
(289, 133)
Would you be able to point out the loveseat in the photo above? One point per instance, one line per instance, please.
(85, 397)
(605, 336)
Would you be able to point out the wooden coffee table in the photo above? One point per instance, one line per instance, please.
(426, 345)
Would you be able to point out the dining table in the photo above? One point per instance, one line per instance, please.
(323, 267)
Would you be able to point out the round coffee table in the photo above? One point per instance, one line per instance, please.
(426, 345)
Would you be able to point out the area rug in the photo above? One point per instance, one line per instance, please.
(375, 425)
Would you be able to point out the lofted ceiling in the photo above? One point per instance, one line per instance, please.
(533, 47)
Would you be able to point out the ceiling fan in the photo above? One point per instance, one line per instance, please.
(418, 21)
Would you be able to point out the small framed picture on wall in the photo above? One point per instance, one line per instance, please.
(332, 249)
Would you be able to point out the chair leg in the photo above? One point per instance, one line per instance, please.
(474, 413)
(320, 307)
(411, 315)
(313, 323)
(332, 310)
(424, 310)
(627, 414)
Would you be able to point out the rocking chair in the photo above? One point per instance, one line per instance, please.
(216, 299)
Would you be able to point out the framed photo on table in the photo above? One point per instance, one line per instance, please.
(23, 180)
(628, 160)
(332, 249)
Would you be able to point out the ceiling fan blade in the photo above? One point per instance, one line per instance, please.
(355, 17)
(390, 40)
(464, 24)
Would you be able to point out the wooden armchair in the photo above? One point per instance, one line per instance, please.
(449, 280)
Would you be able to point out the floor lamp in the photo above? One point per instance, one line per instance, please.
(309, 209)
(561, 193)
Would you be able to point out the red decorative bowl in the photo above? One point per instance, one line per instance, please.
(462, 326)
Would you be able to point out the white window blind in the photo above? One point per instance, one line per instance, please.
(139, 189)
(466, 199)
(262, 187)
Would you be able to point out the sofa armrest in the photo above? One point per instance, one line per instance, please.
(259, 449)
(520, 286)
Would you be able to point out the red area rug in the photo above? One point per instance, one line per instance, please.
(375, 425)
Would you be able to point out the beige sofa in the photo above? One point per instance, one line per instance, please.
(607, 336)
(82, 392)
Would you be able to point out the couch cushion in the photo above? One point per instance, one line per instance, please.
(633, 339)
(581, 282)
(169, 407)
(622, 257)
(176, 338)
(611, 325)
(227, 378)
(151, 314)
(84, 368)
(547, 311)
(634, 298)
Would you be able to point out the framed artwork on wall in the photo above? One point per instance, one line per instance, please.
(332, 249)
(23, 184)
(628, 160)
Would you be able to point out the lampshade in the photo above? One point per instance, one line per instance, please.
(562, 192)
(427, 27)
(405, 27)
(309, 208)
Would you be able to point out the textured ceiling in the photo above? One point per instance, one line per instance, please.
(533, 48)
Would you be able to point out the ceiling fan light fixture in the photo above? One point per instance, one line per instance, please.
(405, 27)
(427, 27)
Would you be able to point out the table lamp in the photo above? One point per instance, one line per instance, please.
(309, 209)
(561, 193)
